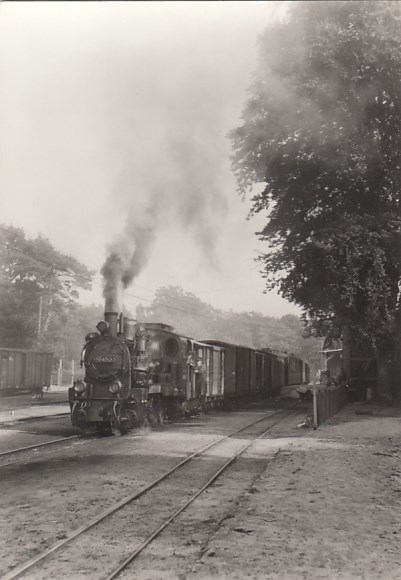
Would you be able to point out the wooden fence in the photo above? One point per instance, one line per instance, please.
(65, 372)
(327, 402)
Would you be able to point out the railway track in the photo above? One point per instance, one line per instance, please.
(20, 454)
(16, 419)
(106, 524)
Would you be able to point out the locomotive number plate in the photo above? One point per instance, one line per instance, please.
(104, 359)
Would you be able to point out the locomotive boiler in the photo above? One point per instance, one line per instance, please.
(107, 398)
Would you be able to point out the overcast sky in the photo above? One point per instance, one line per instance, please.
(114, 117)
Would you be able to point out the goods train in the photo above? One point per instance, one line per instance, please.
(136, 372)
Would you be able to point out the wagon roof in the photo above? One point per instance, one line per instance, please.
(224, 343)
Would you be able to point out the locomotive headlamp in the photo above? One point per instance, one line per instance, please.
(103, 327)
(79, 386)
(115, 387)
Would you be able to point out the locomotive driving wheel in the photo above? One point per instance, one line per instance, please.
(128, 421)
(124, 422)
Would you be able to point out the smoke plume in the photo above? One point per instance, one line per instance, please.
(173, 171)
(173, 99)
(126, 259)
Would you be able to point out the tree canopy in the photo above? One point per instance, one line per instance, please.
(39, 289)
(321, 132)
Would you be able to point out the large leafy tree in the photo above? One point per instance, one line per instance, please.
(39, 288)
(322, 133)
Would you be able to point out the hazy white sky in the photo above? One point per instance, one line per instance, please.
(114, 113)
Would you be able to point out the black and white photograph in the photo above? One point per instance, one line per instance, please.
(200, 290)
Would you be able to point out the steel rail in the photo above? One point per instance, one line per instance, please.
(29, 447)
(21, 569)
(16, 419)
(159, 530)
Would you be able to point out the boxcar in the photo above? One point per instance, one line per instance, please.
(24, 370)
(246, 371)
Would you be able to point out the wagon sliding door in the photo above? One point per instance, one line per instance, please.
(216, 376)
(243, 370)
(259, 372)
(268, 374)
(200, 381)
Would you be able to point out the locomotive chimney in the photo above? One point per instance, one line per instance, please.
(112, 319)
(113, 308)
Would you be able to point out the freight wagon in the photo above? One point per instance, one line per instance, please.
(23, 371)
(249, 371)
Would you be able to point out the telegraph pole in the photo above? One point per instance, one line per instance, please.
(40, 317)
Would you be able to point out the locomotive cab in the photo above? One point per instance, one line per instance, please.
(157, 356)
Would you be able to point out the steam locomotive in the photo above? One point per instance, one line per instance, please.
(138, 372)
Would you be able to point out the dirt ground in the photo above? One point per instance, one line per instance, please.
(327, 505)
(300, 504)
